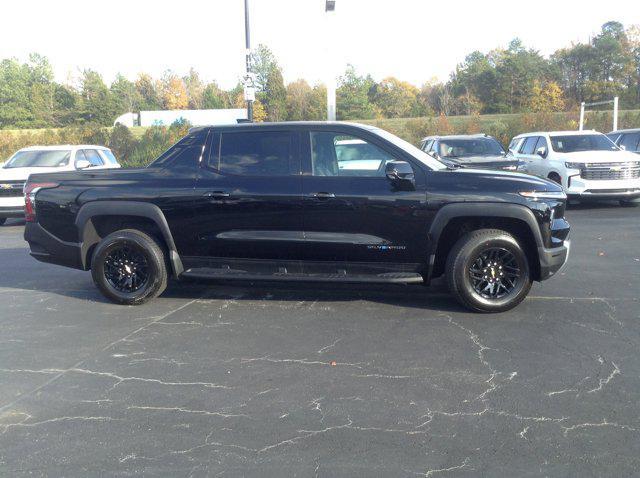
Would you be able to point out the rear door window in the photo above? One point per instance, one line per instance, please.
(257, 153)
(529, 145)
(542, 143)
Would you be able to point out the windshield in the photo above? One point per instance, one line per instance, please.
(410, 149)
(39, 159)
(582, 142)
(460, 148)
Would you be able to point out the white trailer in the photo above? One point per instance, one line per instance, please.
(194, 117)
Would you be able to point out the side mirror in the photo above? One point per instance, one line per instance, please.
(542, 152)
(400, 171)
(82, 164)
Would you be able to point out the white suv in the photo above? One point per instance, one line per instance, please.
(45, 159)
(586, 163)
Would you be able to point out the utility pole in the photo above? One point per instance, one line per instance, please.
(249, 81)
(330, 8)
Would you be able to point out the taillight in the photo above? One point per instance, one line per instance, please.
(30, 190)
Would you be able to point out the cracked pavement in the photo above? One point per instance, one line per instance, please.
(324, 379)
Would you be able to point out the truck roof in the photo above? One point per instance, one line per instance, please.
(286, 123)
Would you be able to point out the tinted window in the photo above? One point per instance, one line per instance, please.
(93, 157)
(529, 145)
(259, 153)
(613, 137)
(630, 141)
(514, 144)
(335, 154)
(459, 148)
(542, 143)
(185, 153)
(582, 142)
(426, 146)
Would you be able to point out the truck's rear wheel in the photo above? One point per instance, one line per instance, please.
(487, 271)
(2, 220)
(129, 267)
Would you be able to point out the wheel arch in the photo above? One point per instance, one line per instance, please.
(454, 220)
(96, 219)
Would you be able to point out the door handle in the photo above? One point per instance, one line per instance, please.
(322, 195)
(216, 195)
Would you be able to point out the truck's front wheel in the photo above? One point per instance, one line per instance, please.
(128, 267)
(487, 271)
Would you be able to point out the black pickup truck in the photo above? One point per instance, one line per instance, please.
(300, 202)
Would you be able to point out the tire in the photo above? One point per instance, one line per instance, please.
(2, 220)
(466, 257)
(629, 203)
(129, 267)
(555, 178)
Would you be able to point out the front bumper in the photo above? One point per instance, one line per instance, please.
(45, 247)
(578, 187)
(554, 259)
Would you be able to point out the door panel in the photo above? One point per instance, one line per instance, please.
(355, 218)
(249, 197)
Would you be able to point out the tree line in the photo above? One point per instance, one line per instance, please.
(515, 79)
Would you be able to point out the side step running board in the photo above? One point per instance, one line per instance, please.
(231, 274)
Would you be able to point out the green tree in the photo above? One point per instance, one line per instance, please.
(96, 101)
(149, 96)
(195, 89)
(353, 96)
(395, 98)
(213, 97)
(126, 97)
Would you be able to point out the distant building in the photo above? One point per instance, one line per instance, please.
(194, 117)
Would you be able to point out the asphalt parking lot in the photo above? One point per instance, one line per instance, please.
(325, 380)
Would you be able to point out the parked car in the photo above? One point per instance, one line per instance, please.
(627, 139)
(41, 159)
(271, 201)
(586, 163)
(478, 151)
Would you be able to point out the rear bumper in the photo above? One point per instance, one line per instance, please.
(11, 211)
(553, 260)
(45, 247)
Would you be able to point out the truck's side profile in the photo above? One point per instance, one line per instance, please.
(292, 201)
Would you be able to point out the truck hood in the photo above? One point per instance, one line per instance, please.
(504, 181)
(21, 174)
(598, 157)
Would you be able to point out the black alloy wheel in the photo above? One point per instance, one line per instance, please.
(495, 273)
(126, 269)
(488, 271)
(129, 267)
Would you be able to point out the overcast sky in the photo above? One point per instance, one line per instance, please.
(412, 40)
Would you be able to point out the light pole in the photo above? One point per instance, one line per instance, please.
(330, 8)
(249, 87)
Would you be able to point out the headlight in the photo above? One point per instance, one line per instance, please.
(574, 165)
(543, 194)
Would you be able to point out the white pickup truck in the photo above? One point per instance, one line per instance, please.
(587, 164)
